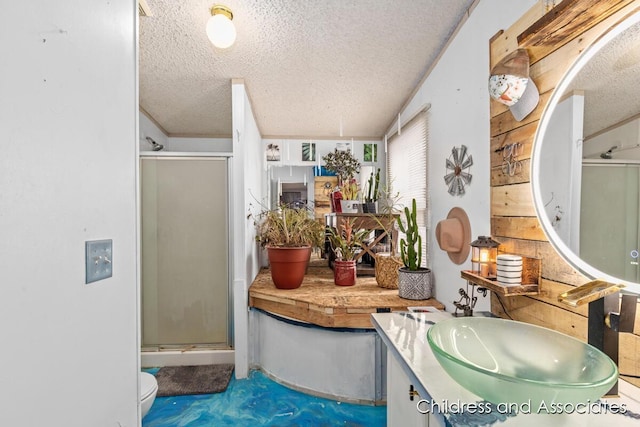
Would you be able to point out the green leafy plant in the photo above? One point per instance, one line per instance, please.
(343, 164)
(289, 227)
(370, 152)
(411, 244)
(345, 241)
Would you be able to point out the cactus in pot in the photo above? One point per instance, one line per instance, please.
(414, 281)
(411, 245)
(370, 200)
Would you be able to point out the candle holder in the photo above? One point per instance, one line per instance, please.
(484, 252)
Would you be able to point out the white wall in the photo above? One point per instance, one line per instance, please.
(331, 363)
(459, 114)
(291, 150)
(626, 137)
(288, 175)
(149, 128)
(211, 145)
(246, 187)
(561, 169)
(253, 186)
(291, 155)
(68, 132)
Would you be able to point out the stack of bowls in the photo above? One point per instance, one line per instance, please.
(509, 270)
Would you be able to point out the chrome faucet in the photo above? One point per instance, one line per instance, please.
(607, 315)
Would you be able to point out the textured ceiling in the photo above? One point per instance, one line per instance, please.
(611, 83)
(308, 65)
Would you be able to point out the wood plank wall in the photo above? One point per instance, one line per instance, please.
(553, 44)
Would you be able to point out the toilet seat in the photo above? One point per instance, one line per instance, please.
(148, 385)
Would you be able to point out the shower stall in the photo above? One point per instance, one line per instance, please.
(609, 225)
(186, 298)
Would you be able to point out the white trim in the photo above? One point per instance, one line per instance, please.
(156, 359)
(391, 132)
(182, 154)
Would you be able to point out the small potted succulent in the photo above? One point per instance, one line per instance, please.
(345, 243)
(414, 282)
(289, 234)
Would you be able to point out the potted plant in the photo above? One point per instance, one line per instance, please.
(387, 263)
(289, 234)
(414, 282)
(369, 205)
(349, 202)
(345, 243)
(345, 166)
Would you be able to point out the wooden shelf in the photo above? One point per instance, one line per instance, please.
(530, 280)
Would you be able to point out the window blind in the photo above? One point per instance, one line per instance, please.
(407, 173)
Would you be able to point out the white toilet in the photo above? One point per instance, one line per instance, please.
(148, 390)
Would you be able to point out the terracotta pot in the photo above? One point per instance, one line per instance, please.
(344, 273)
(288, 265)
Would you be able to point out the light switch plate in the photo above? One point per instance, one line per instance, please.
(98, 260)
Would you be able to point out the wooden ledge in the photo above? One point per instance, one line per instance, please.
(319, 301)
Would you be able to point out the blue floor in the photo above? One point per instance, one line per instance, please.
(259, 401)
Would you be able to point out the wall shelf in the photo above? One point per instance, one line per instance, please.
(530, 280)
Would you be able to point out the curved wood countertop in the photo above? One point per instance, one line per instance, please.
(319, 301)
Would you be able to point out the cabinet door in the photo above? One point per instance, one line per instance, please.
(401, 410)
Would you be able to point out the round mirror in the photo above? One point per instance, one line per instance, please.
(586, 160)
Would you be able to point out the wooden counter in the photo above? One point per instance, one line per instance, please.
(319, 301)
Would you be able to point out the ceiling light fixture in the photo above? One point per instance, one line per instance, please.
(220, 28)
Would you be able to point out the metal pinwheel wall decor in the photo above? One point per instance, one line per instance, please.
(458, 175)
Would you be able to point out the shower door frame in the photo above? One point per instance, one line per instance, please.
(227, 156)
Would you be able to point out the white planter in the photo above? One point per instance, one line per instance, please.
(349, 206)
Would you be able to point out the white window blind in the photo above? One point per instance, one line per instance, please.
(407, 172)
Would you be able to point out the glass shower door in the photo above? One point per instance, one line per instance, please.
(609, 229)
(185, 279)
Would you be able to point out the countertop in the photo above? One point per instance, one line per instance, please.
(319, 301)
(405, 335)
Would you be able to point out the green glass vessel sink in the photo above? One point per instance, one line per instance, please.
(504, 361)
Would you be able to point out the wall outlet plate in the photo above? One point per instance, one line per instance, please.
(98, 260)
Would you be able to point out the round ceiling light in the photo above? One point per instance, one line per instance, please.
(220, 28)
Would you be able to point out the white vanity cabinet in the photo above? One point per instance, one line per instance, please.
(410, 362)
(401, 409)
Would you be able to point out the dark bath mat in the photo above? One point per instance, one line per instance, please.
(203, 379)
